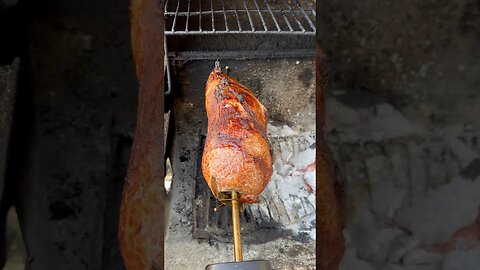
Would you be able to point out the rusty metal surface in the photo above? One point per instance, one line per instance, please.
(141, 214)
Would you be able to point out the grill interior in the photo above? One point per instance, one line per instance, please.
(239, 17)
(273, 226)
(238, 33)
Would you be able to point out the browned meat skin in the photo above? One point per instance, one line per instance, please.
(237, 154)
(141, 213)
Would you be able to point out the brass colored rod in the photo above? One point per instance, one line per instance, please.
(237, 242)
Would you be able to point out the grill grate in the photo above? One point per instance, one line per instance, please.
(197, 17)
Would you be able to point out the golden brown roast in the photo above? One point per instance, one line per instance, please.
(237, 154)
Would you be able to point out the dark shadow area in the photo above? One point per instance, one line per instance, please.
(72, 129)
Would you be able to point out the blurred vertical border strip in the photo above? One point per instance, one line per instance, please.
(141, 229)
(329, 239)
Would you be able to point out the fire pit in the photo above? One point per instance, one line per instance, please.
(281, 227)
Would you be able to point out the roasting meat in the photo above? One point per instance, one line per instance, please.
(237, 154)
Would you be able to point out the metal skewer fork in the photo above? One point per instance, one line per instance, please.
(237, 242)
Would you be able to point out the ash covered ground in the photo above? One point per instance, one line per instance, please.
(412, 190)
(402, 120)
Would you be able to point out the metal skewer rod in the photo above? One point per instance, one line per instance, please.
(237, 242)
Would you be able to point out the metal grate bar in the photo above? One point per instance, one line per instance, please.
(261, 17)
(229, 11)
(224, 15)
(189, 17)
(288, 22)
(312, 8)
(213, 15)
(167, 67)
(200, 15)
(305, 14)
(273, 16)
(176, 15)
(249, 17)
(298, 22)
(236, 16)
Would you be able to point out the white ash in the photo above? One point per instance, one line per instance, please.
(459, 260)
(376, 122)
(290, 195)
(351, 261)
(463, 152)
(418, 256)
(374, 240)
(403, 188)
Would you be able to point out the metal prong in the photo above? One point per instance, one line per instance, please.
(218, 67)
(218, 207)
(237, 242)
